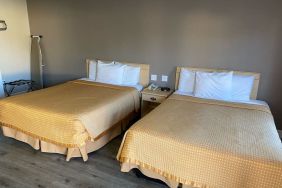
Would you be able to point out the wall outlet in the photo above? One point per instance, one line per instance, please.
(164, 78)
(154, 77)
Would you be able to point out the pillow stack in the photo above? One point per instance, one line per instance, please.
(242, 87)
(110, 73)
(92, 68)
(186, 81)
(113, 73)
(131, 75)
(213, 85)
(216, 85)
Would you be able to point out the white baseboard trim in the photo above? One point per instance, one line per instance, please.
(280, 133)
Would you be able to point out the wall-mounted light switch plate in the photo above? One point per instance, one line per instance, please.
(164, 78)
(154, 77)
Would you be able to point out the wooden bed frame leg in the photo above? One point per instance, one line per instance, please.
(83, 153)
(69, 154)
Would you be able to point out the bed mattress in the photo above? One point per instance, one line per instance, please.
(69, 114)
(206, 143)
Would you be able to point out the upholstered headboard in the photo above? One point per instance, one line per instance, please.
(255, 85)
(144, 70)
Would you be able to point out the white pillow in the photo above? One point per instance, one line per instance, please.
(186, 80)
(214, 85)
(131, 75)
(110, 73)
(242, 87)
(92, 68)
(106, 62)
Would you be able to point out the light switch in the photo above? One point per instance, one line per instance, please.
(154, 77)
(164, 78)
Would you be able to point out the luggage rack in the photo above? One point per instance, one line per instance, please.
(17, 83)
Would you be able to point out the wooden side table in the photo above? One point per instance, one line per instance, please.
(152, 98)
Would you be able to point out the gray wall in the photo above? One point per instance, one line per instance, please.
(235, 34)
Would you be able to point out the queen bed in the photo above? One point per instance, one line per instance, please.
(77, 117)
(200, 142)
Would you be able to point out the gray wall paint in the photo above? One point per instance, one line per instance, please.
(236, 34)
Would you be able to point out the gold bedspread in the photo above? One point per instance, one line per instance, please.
(207, 143)
(69, 114)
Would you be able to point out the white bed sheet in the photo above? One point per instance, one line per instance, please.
(258, 102)
(138, 86)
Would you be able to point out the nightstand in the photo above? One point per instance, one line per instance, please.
(152, 98)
